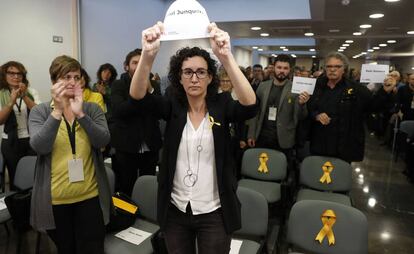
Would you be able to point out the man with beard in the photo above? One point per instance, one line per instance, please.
(136, 138)
(274, 126)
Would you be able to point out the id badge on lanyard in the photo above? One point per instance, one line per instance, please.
(272, 114)
(75, 165)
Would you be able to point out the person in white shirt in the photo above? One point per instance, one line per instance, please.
(16, 100)
(196, 183)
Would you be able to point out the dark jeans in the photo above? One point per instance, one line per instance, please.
(127, 165)
(12, 155)
(183, 229)
(79, 229)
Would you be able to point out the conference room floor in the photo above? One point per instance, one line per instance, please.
(390, 219)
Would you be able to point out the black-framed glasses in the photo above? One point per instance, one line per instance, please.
(334, 66)
(14, 74)
(200, 73)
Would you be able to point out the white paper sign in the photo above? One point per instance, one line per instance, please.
(133, 235)
(2, 204)
(185, 19)
(235, 246)
(374, 73)
(301, 84)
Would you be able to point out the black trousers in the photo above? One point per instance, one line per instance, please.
(128, 164)
(79, 229)
(183, 229)
(12, 155)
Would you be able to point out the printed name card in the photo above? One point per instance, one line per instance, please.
(374, 73)
(133, 235)
(301, 84)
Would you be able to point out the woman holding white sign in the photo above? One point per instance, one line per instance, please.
(197, 183)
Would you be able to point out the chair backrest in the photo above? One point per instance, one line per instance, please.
(254, 213)
(311, 172)
(276, 164)
(350, 229)
(145, 195)
(111, 178)
(25, 172)
(408, 128)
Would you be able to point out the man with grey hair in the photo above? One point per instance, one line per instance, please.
(338, 109)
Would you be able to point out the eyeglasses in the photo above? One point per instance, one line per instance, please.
(14, 74)
(67, 78)
(200, 73)
(334, 66)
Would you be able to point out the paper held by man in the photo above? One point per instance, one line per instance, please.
(185, 19)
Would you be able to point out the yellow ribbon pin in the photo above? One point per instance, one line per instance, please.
(212, 122)
(263, 158)
(328, 220)
(290, 100)
(350, 91)
(327, 169)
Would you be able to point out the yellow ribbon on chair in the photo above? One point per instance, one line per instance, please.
(263, 158)
(328, 220)
(327, 169)
(212, 122)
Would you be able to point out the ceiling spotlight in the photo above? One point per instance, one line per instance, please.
(349, 41)
(370, 50)
(256, 28)
(366, 189)
(259, 49)
(282, 47)
(345, 45)
(385, 235)
(342, 47)
(315, 57)
(309, 34)
(312, 50)
(376, 48)
(412, 68)
(372, 202)
(391, 41)
(383, 45)
(340, 50)
(357, 170)
(293, 55)
(255, 47)
(365, 26)
(264, 34)
(376, 15)
(391, 1)
(357, 33)
(363, 53)
(410, 32)
(285, 49)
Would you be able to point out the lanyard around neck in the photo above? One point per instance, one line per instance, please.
(72, 135)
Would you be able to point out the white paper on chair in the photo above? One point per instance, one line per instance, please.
(2, 204)
(235, 246)
(133, 235)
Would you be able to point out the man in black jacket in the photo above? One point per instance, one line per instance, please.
(136, 139)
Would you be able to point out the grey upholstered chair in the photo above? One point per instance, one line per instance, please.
(266, 183)
(144, 195)
(311, 187)
(350, 228)
(254, 216)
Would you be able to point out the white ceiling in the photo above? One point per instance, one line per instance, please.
(329, 15)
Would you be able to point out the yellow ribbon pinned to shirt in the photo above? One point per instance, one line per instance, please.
(350, 91)
(327, 169)
(212, 122)
(328, 220)
(263, 158)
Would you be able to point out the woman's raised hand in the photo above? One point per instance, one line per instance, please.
(219, 41)
(151, 38)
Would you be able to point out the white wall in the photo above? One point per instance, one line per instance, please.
(110, 29)
(27, 28)
(243, 57)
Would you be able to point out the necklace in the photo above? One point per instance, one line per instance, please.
(191, 178)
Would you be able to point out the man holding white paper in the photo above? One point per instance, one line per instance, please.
(280, 111)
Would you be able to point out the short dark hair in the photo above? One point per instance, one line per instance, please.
(3, 72)
(258, 66)
(111, 68)
(86, 77)
(174, 73)
(135, 52)
(62, 65)
(283, 58)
